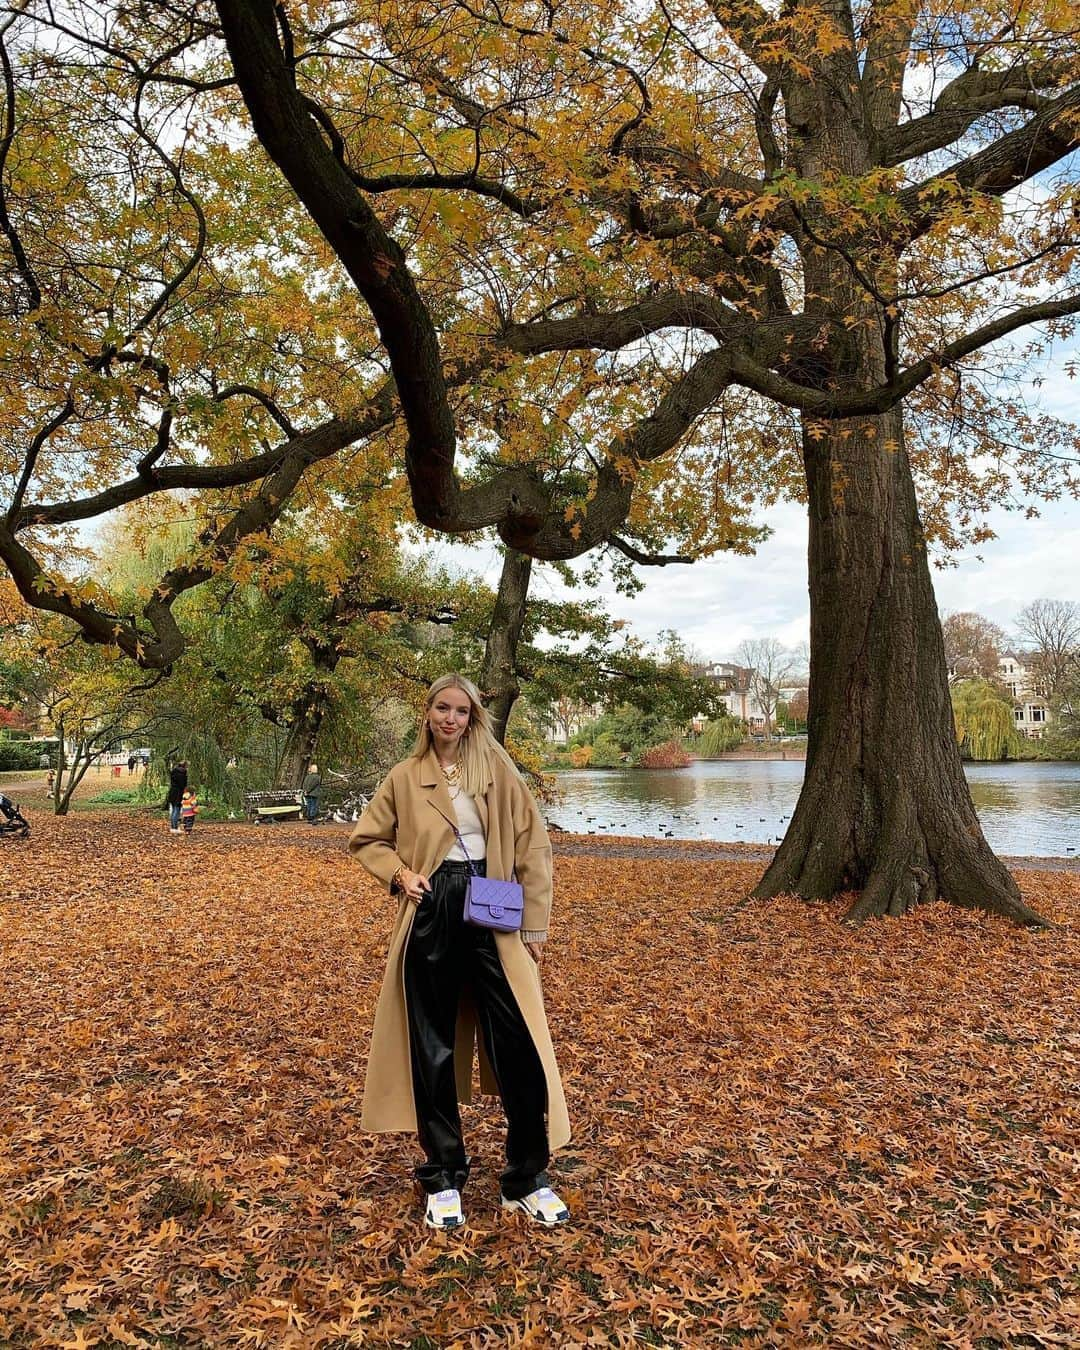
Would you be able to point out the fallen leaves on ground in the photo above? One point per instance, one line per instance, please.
(787, 1132)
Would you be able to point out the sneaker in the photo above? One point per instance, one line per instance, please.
(444, 1210)
(543, 1205)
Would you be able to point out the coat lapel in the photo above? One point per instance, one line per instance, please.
(434, 786)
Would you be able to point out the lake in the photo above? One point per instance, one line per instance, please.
(1027, 809)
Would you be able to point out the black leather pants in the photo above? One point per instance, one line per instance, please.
(444, 955)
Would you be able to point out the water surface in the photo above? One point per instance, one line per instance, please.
(1024, 808)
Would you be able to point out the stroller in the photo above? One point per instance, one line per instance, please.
(12, 820)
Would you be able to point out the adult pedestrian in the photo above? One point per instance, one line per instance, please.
(311, 791)
(131, 763)
(458, 797)
(177, 784)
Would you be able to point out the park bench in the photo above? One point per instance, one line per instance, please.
(276, 804)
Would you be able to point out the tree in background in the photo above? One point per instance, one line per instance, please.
(771, 666)
(1049, 631)
(1063, 738)
(799, 709)
(985, 726)
(973, 646)
(93, 700)
(719, 735)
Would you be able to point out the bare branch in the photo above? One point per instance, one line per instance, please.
(54, 424)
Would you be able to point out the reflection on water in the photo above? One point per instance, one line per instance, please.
(1024, 808)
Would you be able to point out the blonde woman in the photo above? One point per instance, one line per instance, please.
(458, 797)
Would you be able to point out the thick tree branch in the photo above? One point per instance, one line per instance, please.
(319, 443)
(647, 559)
(1045, 139)
(376, 263)
(961, 103)
(745, 22)
(834, 404)
(888, 43)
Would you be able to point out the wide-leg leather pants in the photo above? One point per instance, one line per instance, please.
(444, 955)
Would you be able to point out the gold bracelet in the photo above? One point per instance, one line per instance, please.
(395, 880)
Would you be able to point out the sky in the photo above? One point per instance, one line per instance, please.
(715, 604)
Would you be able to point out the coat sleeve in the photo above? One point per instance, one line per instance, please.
(374, 840)
(532, 863)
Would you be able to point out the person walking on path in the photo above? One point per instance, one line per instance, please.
(457, 797)
(189, 805)
(177, 784)
(311, 792)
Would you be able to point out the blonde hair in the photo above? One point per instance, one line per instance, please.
(477, 747)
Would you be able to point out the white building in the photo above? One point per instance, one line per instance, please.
(1029, 708)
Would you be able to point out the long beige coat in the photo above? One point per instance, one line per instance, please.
(408, 822)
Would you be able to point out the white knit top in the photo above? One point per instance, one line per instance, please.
(470, 826)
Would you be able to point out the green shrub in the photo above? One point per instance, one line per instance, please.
(18, 755)
(606, 752)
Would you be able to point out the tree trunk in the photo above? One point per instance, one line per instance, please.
(498, 674)
(302, 738)
(885, 807)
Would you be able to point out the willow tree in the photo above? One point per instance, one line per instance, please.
(985, 725)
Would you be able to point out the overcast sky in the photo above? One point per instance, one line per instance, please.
(717, 603)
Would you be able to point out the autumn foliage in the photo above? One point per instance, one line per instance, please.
(668, 755)
(786, 1131)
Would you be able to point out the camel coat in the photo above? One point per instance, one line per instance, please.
(408, 822)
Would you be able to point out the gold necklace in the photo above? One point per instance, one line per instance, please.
(451, 774)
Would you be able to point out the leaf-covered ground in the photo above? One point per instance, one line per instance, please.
(787, 1132)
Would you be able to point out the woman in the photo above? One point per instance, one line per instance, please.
(458, 797)
(177, 784)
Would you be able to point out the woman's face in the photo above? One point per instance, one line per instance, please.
(448, 718)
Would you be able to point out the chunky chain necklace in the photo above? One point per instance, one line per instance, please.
(452, 774)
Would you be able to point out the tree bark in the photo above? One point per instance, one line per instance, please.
(498, 674)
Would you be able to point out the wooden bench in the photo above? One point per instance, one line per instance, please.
(265, 807)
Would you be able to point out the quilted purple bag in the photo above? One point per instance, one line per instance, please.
(494, 904)
(490, 903)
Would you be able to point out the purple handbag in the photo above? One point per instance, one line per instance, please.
(494, 904)
(490, 903)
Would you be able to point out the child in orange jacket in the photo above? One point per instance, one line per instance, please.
(189, 805)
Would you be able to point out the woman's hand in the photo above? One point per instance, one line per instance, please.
(535, 950)
(414, 884)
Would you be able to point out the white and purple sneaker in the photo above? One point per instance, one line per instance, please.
(444, 1210)
(543, 1205)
